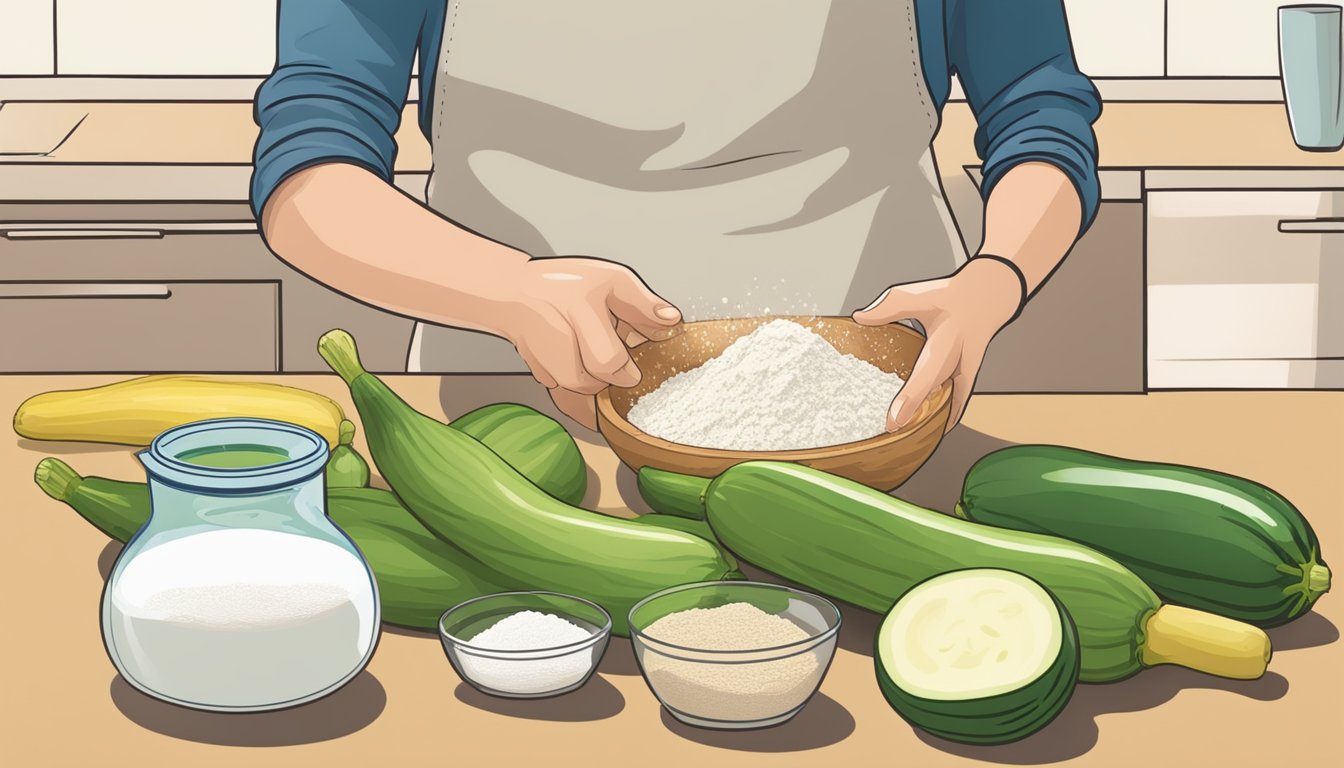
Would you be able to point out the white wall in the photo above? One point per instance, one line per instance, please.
(165, 37)
(26, 37)
(1179, 38)
(1112, 38)
(1223, 37)
(1117, 38)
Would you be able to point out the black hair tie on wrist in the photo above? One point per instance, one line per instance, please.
(1021, 280)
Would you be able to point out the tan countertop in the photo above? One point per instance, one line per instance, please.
(65, 705)
(1130, 135)
(129, 150)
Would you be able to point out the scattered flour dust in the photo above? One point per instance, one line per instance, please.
(746, 691)
(781, 387)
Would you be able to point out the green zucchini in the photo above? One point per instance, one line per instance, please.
(534, 443)
(697, 527)
(1199, 538)
(345, 467)
(979, 656)
(467, 494)
(862, 546)
(672, 494)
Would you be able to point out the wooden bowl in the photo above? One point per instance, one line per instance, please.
(882, 462)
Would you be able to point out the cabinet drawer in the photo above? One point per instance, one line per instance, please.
(141, 326)
(196, 245)
(1236, 275)
(1246, 374)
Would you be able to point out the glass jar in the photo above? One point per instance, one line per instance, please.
(239, 594)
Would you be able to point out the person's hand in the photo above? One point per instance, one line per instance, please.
(961, 314)
(573, 321)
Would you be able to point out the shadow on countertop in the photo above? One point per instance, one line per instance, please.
(1308, 631)
(619, 658)
(937, 483)
(108, 558)
(65, 448)
(596, 700)
(823, 722)
(342, 713)
(1075, 731)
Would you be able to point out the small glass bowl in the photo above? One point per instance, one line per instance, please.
(751, 688)
(524, 674)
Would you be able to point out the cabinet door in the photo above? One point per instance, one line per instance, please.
(117, 244)
(94, 327)
(1083, 331)
(1246, 289)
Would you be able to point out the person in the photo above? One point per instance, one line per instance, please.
(601, 167)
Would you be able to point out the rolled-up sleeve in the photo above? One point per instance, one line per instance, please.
(340, 82)
(1016, 65)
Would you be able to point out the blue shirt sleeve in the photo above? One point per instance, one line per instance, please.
(1016, 66)
(340, 82)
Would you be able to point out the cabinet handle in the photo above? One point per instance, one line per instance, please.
(1312, 226)
(83, 234)
(85, 291)
(142, 230)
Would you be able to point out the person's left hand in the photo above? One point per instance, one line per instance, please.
(961, 314)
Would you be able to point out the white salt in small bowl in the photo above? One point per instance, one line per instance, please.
(548, 669)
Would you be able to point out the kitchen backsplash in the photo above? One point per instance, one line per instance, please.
(1112, 38)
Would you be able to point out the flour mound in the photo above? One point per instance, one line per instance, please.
(781, 387)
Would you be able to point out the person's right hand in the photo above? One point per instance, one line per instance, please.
(572, 320)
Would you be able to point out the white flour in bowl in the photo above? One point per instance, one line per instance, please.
(781, 387)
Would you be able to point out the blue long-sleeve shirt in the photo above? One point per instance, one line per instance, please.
(343, 70)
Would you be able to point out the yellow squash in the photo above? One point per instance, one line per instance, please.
(133, 412)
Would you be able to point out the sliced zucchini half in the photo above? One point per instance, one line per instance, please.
(978, 656)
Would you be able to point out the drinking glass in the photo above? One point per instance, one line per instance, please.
(1311, 63)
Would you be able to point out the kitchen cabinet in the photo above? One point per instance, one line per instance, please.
(1242, 250)
(140, 327)
(1083, 330)
(1245, 288)
(206, 295)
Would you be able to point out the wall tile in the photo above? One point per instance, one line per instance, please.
(1223, 37)
(26, 37)
(1117, 39)
(165, 37)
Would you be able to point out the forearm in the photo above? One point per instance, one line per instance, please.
(1032, 217)
(352, 231)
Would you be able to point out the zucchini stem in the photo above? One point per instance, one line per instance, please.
(56, 478)
(1205, 642)
(1318, 579)
(338, 348)
(670, 493)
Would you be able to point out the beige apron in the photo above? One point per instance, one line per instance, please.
(745, 158)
